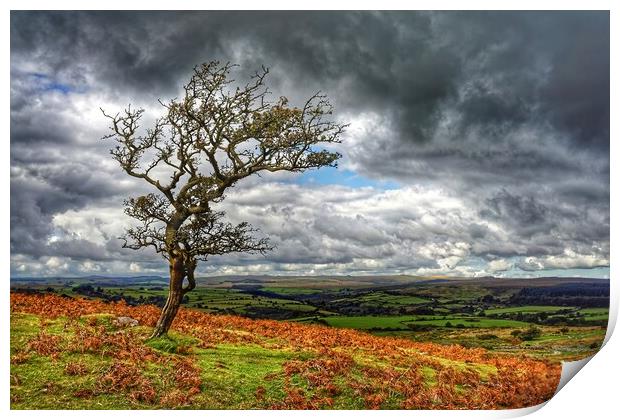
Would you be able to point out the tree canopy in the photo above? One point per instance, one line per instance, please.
(207, 140)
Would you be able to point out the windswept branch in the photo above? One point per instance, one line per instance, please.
(206, 234)
(148, 234)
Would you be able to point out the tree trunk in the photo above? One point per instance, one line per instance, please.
(175, 295)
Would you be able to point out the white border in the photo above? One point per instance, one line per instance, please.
(592, 395)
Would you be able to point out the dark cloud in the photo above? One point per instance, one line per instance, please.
(523, 210)
(507, 112)
(504, 65)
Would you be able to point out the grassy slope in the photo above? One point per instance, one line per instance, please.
(69, 354)
(527, 309)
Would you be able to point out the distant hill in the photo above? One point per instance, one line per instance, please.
(93, 279)
(307, 281)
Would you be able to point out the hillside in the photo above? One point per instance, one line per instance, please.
(69, 353)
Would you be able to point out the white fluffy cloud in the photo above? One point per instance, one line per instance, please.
(567, 260)
(323, 229)
(499, 265)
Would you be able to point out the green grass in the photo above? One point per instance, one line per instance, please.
(220, 300)
(379, 299)
(595, 311)
(238, 302)
(171, 343)
(234, 373)
(393, 299)
(402, 322)
(595, 314)
(287, 291)
(526, 309)
(473, 322)
(41, 383)
(457, 292)
(368, 322)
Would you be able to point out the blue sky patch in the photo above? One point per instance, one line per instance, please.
(337, 176)
(45, 83)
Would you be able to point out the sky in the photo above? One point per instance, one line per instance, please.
(478, 142)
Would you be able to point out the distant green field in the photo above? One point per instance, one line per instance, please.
(590, 314)
(359, 305)
(368, 322)
(595, 314)
(526, 309)
(384, 299)
(402, 322)
(292, 290)
(594, 311)
(447, 293)
(381, 298)
(213, 300)
(472, 322)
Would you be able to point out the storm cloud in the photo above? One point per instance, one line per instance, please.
(478, 141)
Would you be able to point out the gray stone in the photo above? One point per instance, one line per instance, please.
(125, 321)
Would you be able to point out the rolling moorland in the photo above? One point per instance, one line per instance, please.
(302, 342)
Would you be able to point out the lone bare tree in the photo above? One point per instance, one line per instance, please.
(206, 141)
